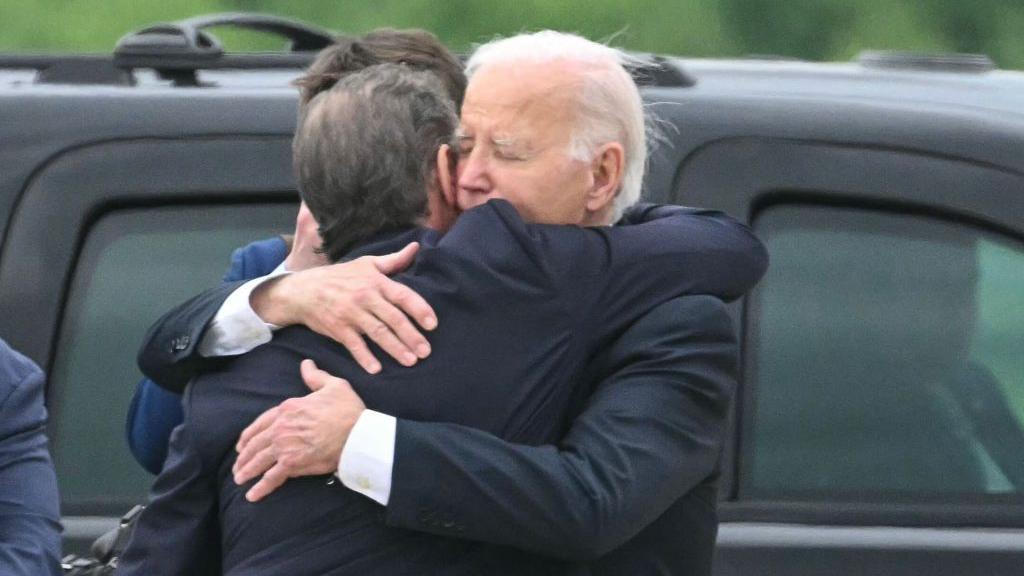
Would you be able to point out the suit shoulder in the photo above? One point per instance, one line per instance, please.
(16, 371)
(21, 391)
(256, 259)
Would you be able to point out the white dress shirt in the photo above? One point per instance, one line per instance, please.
(366, 461)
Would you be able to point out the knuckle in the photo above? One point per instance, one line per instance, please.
(394, 317)
(356, 346)
(402, 295)
(378, 331)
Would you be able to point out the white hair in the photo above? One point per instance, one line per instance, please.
(610, 106)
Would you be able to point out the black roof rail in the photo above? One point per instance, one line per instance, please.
(176, 50)
(69, 68)
(964, 63)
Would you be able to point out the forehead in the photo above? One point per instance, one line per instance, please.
(507, 95)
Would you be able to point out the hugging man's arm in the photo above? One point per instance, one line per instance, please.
(344, 301)
(650, 435)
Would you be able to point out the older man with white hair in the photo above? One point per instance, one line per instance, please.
(553, 124)
(548, 118)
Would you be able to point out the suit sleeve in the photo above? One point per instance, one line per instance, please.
(667, 251)
(650, 432)
(610, 276)
(178, 532)
(169, 355)
(29, 504)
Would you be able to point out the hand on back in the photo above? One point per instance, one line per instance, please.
(352, 300)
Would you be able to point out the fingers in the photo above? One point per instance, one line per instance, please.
(271, 481)
(253, 456)
(258, 425)
(358, 299)
(311, 375)
(408, 301)
(379, 332)
(315, 378)
(394, 333)
(397, 261)
(259, 462)
(360, 352)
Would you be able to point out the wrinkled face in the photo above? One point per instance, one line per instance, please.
(514, 143)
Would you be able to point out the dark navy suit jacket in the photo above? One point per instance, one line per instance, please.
(29, 505)
(527, 306)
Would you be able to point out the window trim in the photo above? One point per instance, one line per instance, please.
(941, 510)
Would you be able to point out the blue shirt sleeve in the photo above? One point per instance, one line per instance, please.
(256, 259)
(154, 411)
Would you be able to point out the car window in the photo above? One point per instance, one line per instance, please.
(885, 359)
(134, 265)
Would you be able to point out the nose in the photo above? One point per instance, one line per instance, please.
(473, 174)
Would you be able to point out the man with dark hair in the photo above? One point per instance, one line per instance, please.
(354, 193)
(417, 49)
(29, 505)
(155, 411)
(526, 306)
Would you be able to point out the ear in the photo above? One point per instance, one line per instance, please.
(606, 173)
(446, 173)
(441, 208)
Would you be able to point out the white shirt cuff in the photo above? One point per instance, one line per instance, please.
(236, 329)
(366, 461)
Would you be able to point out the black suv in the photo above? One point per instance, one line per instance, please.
(878, 424)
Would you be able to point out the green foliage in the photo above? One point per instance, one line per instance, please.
(811, 29)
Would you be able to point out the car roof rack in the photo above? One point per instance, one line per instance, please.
(69, 68)
(176, 50)
(963, 63)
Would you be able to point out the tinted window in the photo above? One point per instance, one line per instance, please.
(134, 265)
(886, 359)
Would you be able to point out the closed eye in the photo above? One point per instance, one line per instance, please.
(465, 145)
(513, 155)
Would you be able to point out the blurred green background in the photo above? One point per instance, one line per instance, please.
(810, 29)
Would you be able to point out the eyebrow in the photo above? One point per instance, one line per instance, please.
(505, 141)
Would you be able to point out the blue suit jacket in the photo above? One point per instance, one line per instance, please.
(154, 411)
(29, 504)
(526, 307)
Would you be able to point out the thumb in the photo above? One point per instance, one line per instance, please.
(397, 261)
(314, 377)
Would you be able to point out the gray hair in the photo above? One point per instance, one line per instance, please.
(364, 152)
(611, 109)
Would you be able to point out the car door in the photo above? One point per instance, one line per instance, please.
(104, 238)
(879, 425)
